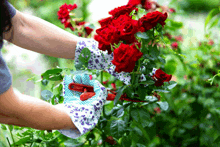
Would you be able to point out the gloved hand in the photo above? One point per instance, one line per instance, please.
(101, 60)
(84, 114)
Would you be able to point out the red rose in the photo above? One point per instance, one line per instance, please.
(174, 45)
(105, 21)
(134, 2)
(161, 77)
(125, 57)
(80, 23)
(67, 24)
(178, 38)
(147, 5)
(172, 10)
(127, 28)
(64, 10)
(211, 42)
(107, 35)
(88, 30)
(151, 19)
(126, 9)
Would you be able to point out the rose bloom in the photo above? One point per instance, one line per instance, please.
(125, 57)
(88, 30)
(105, 36)
(211, 42)
(179, 38)
(134, 2)
(126, 9)
(174, 45)
(151, 19)
(160, 77)
(105, 21)
(172, 10)
(127, 27)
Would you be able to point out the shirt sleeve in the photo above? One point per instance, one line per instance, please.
(5, 74)
(12, 10)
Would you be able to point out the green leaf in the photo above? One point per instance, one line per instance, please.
(163, 105)
(211, 14)
(142, 91)
(85, 55)
(151, 98)
(161, 90)
(214, 23)
(53, 74)
(119, 113)
(22, 141)
(119, 93)
(117, 128)
(10, 127)
(154, 51)
(142, 35)
(44, 82)
(3, 127)
(46, 94)
(172, 85)
(140, 115)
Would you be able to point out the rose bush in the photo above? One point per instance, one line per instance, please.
(191, 119)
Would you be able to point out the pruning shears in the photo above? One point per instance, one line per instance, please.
(88, 92)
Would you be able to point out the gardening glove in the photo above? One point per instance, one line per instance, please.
(84, 114)
(101, 60)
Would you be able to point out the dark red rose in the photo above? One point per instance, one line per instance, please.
(151, 19)
(72, 7)
(88, 30)
(126, 9)
(125, 57)
(107, 35)
(105, 21)
(80, 23)
(174, 45)
(134, 2)
(172, 10)
(127, 28)
(67, 24)
(160, 77)
(64, 11)
(147, 5)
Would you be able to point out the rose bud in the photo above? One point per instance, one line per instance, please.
(174, 45)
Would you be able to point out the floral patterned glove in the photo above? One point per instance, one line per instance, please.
(101, 60)
(84, 114)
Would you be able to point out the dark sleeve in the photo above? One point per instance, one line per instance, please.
(11, 8)
(5, 74)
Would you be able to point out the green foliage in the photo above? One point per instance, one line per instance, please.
(210, 16)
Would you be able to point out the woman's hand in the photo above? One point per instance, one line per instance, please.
(84, 114)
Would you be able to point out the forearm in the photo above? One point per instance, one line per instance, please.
(23, 110)
(43, 37)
